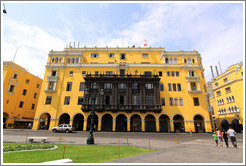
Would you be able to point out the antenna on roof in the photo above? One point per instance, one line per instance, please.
(15, 55)
(74, 45)
(220, 67)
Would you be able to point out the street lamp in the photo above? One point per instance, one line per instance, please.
(90, 140)
(4, 10)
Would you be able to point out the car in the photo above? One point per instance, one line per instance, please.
(63, 128)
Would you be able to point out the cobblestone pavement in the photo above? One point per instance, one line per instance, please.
(171, 147)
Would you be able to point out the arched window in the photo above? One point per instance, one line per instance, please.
(53, 59)
(56, 61)
(185, 61)
(229, 109)
(68, 60)
(60, 60)
(189, 60)
(235, 109)
(171, 60)
(232, 97)
(175, 60)
(193, 60)
(73, 60)
(77, 60)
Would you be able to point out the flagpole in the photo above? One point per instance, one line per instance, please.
(15, 55)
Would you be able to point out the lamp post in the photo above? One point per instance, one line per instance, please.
(90, 140)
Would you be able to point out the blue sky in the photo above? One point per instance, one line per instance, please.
(214, 29)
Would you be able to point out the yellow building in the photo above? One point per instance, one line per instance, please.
(21, 91)
(227, 102)
(145, 89)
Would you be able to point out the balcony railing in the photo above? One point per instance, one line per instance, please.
(121, 76)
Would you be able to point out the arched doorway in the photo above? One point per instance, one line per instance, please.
(107, 122)
(236, 126)
(224, 124)
(78, 122)
(199, 124)
(95, 122)
(121, 123)
(136, 124)
(44, 122)
(164, 123)
(178, 122)
(64, 119)
(150, 125)
(5, 119)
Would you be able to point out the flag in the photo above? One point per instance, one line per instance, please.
(145, 43)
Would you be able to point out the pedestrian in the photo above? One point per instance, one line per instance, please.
(190, 132)
(232, 135)
(29, 126)
(215, 138)
(225, 137)
(219, 136)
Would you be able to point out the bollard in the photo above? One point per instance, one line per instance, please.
(26, 137)
(149, 144)
(63, 152)
(118, 148)
(60, 139)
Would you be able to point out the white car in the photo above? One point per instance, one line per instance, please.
(63, 128)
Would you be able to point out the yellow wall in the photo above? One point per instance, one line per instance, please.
(234, 74)
(11, 100)
(134, 61)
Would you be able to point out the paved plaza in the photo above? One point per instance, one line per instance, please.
(171, 147)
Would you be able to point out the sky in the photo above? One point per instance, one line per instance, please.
(31, 29)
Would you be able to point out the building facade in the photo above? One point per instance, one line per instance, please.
(21, 91)
(227, 101)
(145, 89)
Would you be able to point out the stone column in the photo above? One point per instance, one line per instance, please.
(71, 122)
(35, 123)
(143, 125)
(114, 124)
(208, 127)
(189, 124)
(157, 124)
(172, 126)
(99, 124)
(128, 124)
(85, 125)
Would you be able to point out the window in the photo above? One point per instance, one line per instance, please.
(48, 100)
(218, 93)
(232, 98)
(51, 85)
(82, 86)
(108, 86)
(176, 102)
(171, 101)
(35, 95)
(136, 100)
(216, 84)
(196, 101)
(122, 72)
(96, 73)
(21, 104)
(94, 85)
(168, 73)
(193, 86)
(37, 85)
(193, 60)
(171, 60)
(33, 105)
(160, 73)
(149, 86)
(181, 101)
(94, 55)
(175, 60)
(80, 100)
(107, 99)
(135, 86)
(147, 73)
(111, 55)
(24, 92)
(185, 61)
(77, 60)
(174, 87)
(121, 100)
(53, 73)
(226, 80)
(145, 55)
(56, 60)
(163, 101)
(177, 74)
(166, 60)
(228, 89)
(109, 73)
(122, 56)
(122, 86)
(169, 87)
(83, 73)
(189, 60)
(71, 73)
(11, 88)
(191, 73)
(15, 76)
(173, 73)
(179, 87)
(27, 81)
(73, 60)
(161, 87)
(242, 73)
(67, 100)
(149, 100)
(69, 86)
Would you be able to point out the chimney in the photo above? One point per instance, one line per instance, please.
(212, 71)
(217, 71)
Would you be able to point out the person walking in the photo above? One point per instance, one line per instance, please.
(225, 137)
(190, 132)
(215, 138)
(232, 135)
(219, 136)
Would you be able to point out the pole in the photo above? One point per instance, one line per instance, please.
(15, 54)
(90, 139)
(26, 137)
(63, 152)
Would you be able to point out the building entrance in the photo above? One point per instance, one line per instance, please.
(236, 126)
(78, 122)
(164, 123)
(121, 123)
(136, 123)
(224, 124)
(199, 124)
(44, 122)
(107, 121)
(64, 119)
(150, 125)
(178, 124)
(95, 123)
